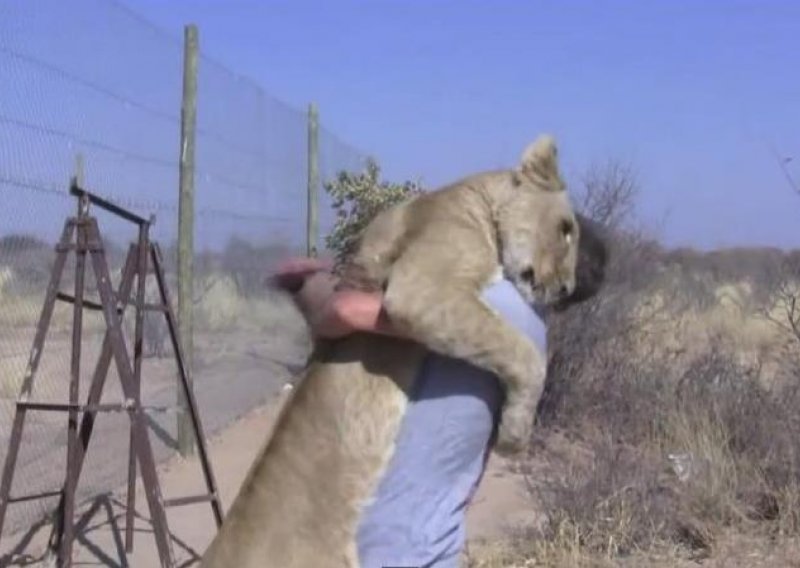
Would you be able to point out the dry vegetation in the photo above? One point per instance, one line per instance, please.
(669, 432)
(229, 297)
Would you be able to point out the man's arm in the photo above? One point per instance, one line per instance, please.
(329, 312)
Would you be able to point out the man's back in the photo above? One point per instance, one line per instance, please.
(418, 515)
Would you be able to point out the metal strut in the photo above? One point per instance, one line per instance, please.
(81, 234)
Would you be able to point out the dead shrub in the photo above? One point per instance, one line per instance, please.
(672, 463)
(612, 505)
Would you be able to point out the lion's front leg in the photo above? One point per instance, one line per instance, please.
(455, 322)
(360, 274)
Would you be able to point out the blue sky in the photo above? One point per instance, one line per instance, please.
(692, 94)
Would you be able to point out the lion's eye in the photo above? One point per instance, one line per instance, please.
(527, 275)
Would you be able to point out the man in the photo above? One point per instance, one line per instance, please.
(417, 517)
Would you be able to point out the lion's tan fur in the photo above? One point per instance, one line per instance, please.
(436, 253)
(301, 502)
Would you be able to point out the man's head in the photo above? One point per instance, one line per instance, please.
(592, 260)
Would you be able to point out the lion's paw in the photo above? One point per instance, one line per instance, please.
(514, 432)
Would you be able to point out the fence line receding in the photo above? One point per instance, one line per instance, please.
(93, 83)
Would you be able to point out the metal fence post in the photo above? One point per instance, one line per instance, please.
(312, 205)
(186, 226)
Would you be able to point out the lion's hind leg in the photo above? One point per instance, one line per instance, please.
(368, 269)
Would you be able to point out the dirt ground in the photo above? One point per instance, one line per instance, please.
(501, 499)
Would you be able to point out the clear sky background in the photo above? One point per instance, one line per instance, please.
(692, 94)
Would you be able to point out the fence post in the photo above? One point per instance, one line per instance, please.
(186, 226)
(312, 205)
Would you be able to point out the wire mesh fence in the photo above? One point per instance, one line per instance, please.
(91, 88)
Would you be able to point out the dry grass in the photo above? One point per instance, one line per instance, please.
(731, 445)
(220, 307)
(713, 459)
(663, 430)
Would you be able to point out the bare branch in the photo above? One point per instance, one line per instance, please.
(782, 162)
(610, 193)
(783, 310)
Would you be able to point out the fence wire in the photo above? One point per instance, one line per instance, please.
(92, 81)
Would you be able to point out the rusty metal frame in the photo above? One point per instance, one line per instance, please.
(141, 255)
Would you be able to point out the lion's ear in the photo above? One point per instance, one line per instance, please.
(540, 163)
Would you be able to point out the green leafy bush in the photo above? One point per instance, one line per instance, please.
(357, 198)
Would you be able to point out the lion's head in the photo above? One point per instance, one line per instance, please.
(538, 229)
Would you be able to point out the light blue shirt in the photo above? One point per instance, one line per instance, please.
(418, 516)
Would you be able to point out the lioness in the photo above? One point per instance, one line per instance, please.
(434, 254)
(301, 501)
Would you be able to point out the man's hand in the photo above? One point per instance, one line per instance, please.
(292, 273)
(330, 313)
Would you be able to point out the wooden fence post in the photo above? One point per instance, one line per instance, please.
(312, 205)
(186, 226)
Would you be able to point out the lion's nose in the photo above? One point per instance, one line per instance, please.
(563, 291)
